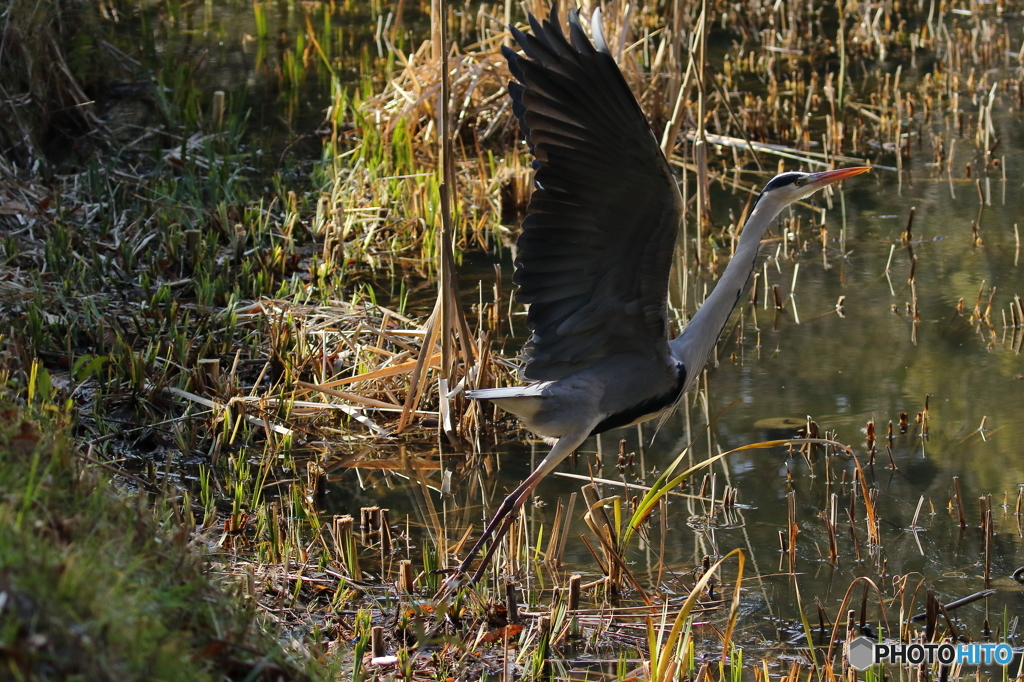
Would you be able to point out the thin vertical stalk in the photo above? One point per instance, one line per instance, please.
(453, 326)
(700, 147)
(841, 41)
(444, 167)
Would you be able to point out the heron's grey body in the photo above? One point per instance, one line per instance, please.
(618, 390)
(628, 388)
(596, 251)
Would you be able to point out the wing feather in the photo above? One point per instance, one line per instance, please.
(597, 242)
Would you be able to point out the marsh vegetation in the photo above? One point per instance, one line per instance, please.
(249, 265)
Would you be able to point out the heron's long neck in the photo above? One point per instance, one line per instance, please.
(693, 347)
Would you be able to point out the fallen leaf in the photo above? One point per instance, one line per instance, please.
(211, 649)
(502, 634)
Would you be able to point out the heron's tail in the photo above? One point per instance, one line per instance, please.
(529, 391)
(522, 401)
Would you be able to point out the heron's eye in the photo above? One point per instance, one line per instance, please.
(799, 182)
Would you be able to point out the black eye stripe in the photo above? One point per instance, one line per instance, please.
(782, 180)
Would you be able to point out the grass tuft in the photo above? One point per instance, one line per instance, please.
(96, 584)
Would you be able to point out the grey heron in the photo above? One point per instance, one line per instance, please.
(595, 253)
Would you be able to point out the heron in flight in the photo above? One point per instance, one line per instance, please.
(595, 253)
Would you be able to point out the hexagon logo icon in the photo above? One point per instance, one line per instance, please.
(861, 653)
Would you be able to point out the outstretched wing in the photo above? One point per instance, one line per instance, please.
(597, 241)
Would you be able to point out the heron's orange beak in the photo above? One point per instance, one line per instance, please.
(828, 177)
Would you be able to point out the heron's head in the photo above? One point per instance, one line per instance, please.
(791, 186)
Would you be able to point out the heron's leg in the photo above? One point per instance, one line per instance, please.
(502, 519)
(506, 510)
(501, 532)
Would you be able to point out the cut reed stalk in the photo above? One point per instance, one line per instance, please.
(958, 495)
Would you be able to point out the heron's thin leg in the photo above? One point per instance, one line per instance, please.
(508, 507)
(506, 512)
(502, 532)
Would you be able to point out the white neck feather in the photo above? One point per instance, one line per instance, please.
(694, 346)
